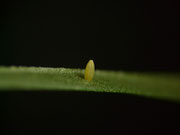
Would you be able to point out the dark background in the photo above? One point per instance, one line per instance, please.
(47, 112)
(118, 35)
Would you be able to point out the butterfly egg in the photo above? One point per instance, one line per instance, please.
(89, 70)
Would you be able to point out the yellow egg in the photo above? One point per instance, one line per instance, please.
(89, 70)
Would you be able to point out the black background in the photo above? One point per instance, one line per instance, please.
(118, 35)
(86, 113)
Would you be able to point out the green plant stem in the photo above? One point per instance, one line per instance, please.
(155, 85)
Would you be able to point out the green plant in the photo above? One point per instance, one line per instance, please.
(156, 85)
